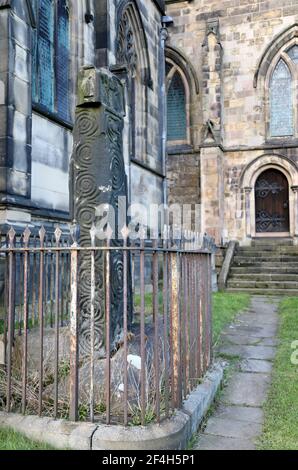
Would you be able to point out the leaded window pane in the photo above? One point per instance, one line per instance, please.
(45, 54)
(50, 62)
(62, 58)
(293, 54)
(177, 118)
(281, 102)
(168, 68)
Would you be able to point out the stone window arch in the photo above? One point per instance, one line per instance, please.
(132, 56)
(182, 88)
(281, 87)
(277, 76)
(51, 58)
(177, 106)
(281, 101)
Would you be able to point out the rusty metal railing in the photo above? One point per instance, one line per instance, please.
(160, 355)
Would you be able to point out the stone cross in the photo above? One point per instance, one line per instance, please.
(97, 178)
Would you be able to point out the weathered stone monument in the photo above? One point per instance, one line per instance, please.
(97, 177)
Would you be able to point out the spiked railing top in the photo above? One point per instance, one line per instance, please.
(58, 234)
(26, 236)
(74, 229)
(11, 236)
(42, 235)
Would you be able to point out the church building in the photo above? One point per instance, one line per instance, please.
(232, 75)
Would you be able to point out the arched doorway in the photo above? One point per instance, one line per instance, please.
(272, 202)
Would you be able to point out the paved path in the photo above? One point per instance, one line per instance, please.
(238, 419)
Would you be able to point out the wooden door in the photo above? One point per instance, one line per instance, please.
(272, 202)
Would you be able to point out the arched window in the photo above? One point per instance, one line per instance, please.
(50, 65)
(293, 53)
(281, 102)
(177, 102)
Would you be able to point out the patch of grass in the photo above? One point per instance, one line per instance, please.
(225, 308)
(148, 302)
(281, 408)
(11, 440)
(1, 327)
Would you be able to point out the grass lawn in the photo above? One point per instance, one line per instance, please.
(225, 308)
(281, 408)
(11, 440)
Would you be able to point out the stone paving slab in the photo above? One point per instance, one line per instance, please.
(247, 389)
(242, 340)
(256, 365)
(207, 442)
(266, 320)
(238, 420)
(249, 352)
(233, 428)
(241, 413)
(269, 342)
(268, 331)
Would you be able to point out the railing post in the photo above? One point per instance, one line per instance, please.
(176, 324)
(107, 283)
(74, 332)
(26, 239)
(58, 234)
(42, 235)
(11, 314)
(210, 330)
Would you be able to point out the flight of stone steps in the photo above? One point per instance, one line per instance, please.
(269, 266)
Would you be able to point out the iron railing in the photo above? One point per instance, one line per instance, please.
(160, 357)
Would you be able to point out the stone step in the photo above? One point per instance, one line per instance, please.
(272, 241)
(274, 249)
(264, 257)
(267, 254)
(275, 292)
(265, 263)
(281, 269)
(254, 284)
(264, 277)
(268, 267)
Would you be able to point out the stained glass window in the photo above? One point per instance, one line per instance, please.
(281, 102)
(168, 68)
(293, 54)
(62, 58)
(176, 112)
(45, 54)
(50, 64)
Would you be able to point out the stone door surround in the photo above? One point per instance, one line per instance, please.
(248, 180)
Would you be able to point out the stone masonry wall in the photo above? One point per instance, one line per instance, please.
(246, 30)
(145, 180)
(34, 149)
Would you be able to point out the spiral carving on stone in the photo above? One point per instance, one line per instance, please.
(117, 275)
(85, 213)
(84, 155)
(86, 185)
(118, 172)
(85, 338)
(87, 123)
